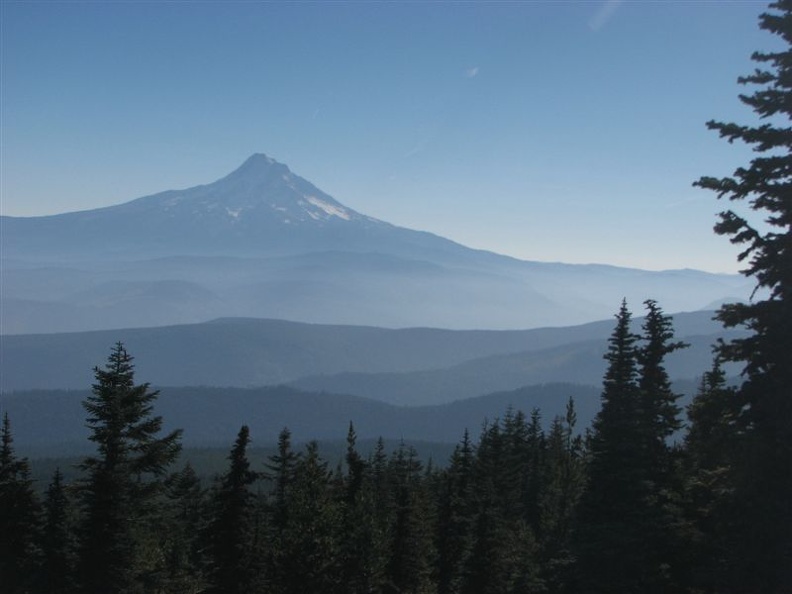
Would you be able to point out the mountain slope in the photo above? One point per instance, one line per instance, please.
(263, 242)
(261, 208)
(579, 362)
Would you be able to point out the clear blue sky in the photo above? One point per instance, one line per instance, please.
(557, 131)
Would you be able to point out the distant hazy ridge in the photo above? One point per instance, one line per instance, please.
(263, 242)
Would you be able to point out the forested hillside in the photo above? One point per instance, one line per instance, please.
(524, 504)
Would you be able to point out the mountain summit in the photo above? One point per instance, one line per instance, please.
(262, 207)
(260, 192)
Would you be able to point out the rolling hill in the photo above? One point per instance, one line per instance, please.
(52, 422)
(417, 366)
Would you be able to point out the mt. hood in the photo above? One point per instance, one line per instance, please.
(264, 242)
(261, 208)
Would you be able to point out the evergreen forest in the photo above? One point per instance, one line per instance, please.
(649, 499)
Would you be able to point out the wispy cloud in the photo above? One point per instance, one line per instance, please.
(604, 14)
(472, 72)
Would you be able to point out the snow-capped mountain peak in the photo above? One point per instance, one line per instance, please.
(264, 242)
(261, 191)
(263, 186)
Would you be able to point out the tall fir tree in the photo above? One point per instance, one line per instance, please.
(610, 545)
(363, 539)
(763, 551)
(355, 466)
(18, 517)
(630, 515)
(411, 551)
(280, 470)
(503, 550)
(659, 402)
(379, 473)
(58, 543)
(230, 536)
(183, 527)
(456, 514)
(710, 454)
(660, 418)
(712, 416)
(123, 479)
(564, 480)
(489, 567)
(533, 460)
(309, 548)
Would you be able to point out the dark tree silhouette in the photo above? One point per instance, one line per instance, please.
(763, 550)
(123, 479)
(231, 529)
(58, 543)
(627, 533)
(18, 517)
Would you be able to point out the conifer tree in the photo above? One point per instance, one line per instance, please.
(18, 517)
(629, 513)
(362, 538)
(356, 467)
(379, 471)
(123, 478)
(563, 483)
(491, 471)
(763, 562)
(183, 526)
(280, 470)
(488, 567)
(502, 559)
(380, 484)
(610, 545)
(503, 550)
(230, 531)
(411, 552)
(712, 415)
(535, 448)
(58, 543)
(308, 555)
(710, 455)
(456, 514)
(660, 420)
(661, 413)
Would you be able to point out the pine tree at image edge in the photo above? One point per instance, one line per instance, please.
(762, 550)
